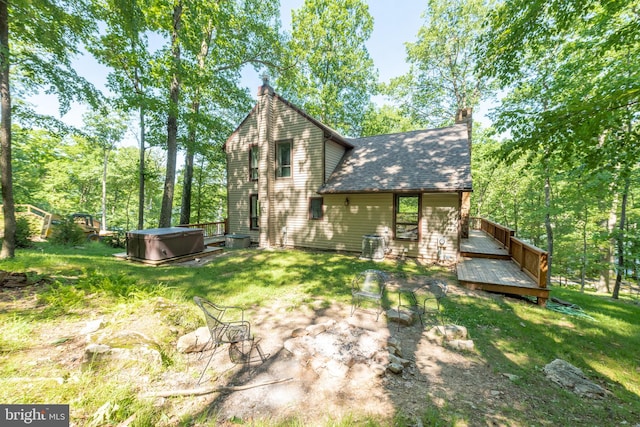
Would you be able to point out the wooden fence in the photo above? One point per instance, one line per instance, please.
(530, 259)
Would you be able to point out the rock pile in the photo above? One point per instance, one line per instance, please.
(338, 346)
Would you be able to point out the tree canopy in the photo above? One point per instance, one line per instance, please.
(329, 71)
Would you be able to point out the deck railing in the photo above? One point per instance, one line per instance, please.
(211, 229)
(501, 233)
(45, 216)
(532, 260)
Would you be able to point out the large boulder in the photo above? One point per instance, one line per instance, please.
(403, 317)
(573, 379)
(195, 341)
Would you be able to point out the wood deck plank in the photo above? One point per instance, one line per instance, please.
(479, 244)
(499, 272)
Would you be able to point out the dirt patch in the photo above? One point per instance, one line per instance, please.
(436, 376)
(315, 390)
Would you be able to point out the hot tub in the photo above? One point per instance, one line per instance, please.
(157, 244)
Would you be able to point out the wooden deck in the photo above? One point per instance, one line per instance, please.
(486, 265)
(480, 245)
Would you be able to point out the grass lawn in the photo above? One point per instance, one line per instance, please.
(510, 335)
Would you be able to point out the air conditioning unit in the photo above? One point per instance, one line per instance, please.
(373, 247)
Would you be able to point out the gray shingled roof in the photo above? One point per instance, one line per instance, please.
(425, 160)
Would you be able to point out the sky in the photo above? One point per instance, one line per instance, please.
(395, 23)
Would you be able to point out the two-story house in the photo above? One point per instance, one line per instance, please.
(294, 182)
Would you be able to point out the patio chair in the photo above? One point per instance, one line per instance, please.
(236, 333)
(431, 303)
(427, 305)
(368, 285)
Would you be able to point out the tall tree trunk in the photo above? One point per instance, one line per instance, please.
(547, 223)
(185, 211)
(103, 223)
(141, 173)
(620, 238)
(583, 266)
(609, 257)
(199, 186)
(172, 123)
(6, 178)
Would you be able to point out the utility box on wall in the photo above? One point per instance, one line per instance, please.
(157, 244)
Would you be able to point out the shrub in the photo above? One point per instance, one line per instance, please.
(115, 239)
(67, 232)
(23, 232)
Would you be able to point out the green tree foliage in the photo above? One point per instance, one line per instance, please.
(66, 232)
(573, 96)
(23, 232)
(331, 75)
(384, 120)
(37, 41)
(104, 131)
(442, 77)
(232, 35)
(122, 188)
(124, 47)
(33, 150)
(73, 177)
(209, 190)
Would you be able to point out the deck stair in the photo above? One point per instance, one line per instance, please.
(40, 217)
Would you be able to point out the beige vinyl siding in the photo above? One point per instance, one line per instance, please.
(440, 215)
(291, 196)
(284, 202)
(332, 156)
(239, 186)
(343, 226)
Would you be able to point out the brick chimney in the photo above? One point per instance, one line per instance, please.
(265, 88)
(464, 116)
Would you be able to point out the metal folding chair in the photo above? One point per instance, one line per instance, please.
(431, 303)
(368, 285)
(236, 333)
(427, 305)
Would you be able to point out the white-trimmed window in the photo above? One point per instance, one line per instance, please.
(254, 212)
(254, 162)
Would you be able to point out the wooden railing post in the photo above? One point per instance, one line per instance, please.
(542, 281)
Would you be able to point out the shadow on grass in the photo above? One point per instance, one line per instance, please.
(511, 336)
